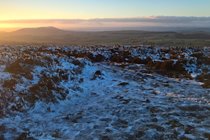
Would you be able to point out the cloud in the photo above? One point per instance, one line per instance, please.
(105, 23)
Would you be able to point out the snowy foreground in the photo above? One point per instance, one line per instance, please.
(112, 93)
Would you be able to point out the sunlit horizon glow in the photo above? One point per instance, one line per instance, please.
(81, 14)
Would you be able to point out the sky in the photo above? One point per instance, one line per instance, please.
(80, 14)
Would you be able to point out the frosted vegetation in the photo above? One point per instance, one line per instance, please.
(102, 92)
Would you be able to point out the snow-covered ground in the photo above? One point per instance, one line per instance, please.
(49, 94)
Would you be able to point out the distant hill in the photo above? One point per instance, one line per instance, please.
(46, 31)
(58, 36)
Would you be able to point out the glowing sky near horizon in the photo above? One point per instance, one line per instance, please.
(90, 9)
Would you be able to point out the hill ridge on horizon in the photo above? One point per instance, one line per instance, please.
(39, 30)
(55, 35)
(147, 29)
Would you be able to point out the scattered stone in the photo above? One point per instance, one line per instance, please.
(156, 92)
(56, 134)
(97, 74)
(120, 123)
(105, 137)
(174, 123)
(74, 117)
(123, 84)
